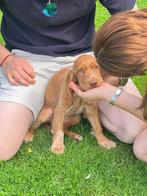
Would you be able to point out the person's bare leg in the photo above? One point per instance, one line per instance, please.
(140, 146)
(15, 121)
(124, 125)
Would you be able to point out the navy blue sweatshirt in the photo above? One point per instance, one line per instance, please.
(69, 32)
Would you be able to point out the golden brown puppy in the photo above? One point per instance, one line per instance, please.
(67, 107)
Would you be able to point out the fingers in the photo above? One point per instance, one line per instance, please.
(20, 72)
(26, 77)
(20, 78)
(90, 95)
(74, 87)
(12, 80)
(71, 84)
(28, 70)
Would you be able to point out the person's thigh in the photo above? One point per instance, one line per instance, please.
(15, 119)
(122, 124)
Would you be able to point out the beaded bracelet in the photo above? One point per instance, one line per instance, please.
(1, 64)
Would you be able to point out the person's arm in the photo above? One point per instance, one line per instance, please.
(115, 6)
(126, 101)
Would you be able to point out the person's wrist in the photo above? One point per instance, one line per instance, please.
(116, 96)
(7, 59)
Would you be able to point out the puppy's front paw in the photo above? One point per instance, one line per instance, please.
(57, 146)
(57, 149)
(28, 137)
(108, 144)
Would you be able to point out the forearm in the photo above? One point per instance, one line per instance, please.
(106, 91)
(126, 101)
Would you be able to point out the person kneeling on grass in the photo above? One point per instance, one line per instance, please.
(120, 49)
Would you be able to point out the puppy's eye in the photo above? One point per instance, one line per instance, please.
(95, 67)
(81, 71)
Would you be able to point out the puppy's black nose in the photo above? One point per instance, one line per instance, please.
(93, 84)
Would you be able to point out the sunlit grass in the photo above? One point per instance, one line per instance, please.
(84, 170)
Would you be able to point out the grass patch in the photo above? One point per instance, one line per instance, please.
(84, 170)
(34, 170)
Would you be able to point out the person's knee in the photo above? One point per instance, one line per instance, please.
(129, 133)
(6, 153)
(125, 136)
(128, 138)
(139, 151)
(6, 156)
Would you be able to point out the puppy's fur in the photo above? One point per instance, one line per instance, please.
(67, 107)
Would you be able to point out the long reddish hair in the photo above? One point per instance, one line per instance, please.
(120, 46)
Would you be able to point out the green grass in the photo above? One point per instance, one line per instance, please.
(1, 39)
(35, 171)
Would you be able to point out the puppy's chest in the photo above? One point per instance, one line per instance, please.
(77, 107)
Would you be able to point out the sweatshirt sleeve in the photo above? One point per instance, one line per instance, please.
(115, 6)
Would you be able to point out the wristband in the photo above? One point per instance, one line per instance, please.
(1, 64)
(116, 95)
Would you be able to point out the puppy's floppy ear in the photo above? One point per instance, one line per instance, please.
(69, 77)
(72, 76)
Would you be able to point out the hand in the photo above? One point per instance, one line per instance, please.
(92, 94)
(19, 71)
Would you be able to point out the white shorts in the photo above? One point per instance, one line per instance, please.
(33, 96)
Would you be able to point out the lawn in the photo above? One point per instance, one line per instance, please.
(85, 169)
